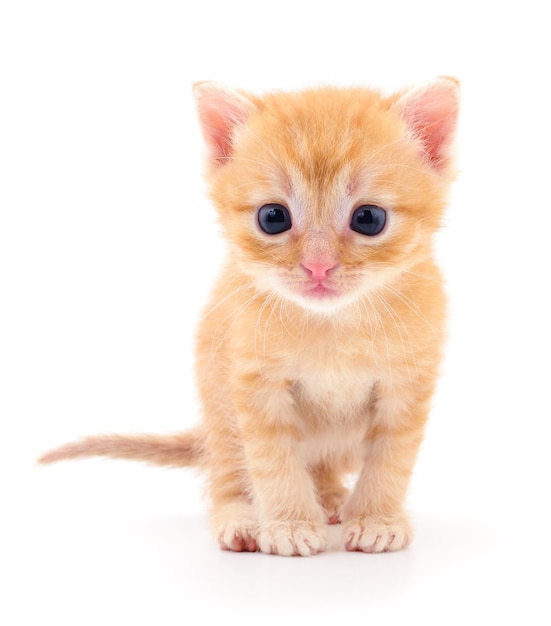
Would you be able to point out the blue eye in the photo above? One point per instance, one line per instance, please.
(274, 219)
(368, 219)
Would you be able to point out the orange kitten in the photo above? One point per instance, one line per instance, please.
(318, 354)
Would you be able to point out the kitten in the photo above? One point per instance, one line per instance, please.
(318, 354)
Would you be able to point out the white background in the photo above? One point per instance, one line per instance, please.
(107, 250)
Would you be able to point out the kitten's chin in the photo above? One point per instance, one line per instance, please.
(316, 298)
(321, 299)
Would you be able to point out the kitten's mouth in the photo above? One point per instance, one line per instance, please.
(320, 290)
(318, 295)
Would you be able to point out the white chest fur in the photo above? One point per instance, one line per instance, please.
(339, 386)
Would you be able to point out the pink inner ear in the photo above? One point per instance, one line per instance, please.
(221, 111)
(431, 113)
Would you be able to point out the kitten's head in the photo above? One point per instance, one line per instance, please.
(328, 194)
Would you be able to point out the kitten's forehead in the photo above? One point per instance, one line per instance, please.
(323, 151)
(317, 204)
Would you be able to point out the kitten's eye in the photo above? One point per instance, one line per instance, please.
(368, 219)
(274, 219)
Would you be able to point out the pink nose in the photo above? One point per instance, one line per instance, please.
(319, 271)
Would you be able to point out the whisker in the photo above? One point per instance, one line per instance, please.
(399, 325)
(226, 297)
(413, 307)
(235, 315)
(266, 302)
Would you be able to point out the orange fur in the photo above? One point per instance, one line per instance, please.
(180, 450)
(305, 380)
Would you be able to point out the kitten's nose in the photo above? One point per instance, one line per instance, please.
(319, 271)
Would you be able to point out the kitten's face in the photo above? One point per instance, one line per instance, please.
(325, 197)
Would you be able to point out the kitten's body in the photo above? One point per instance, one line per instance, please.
(318, 353)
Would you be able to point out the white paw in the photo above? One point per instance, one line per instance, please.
(369, 534)
(293, 538)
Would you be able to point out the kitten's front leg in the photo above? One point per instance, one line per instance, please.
(291, 520)
(373, 517)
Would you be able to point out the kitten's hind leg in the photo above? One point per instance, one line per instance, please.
(331, 492)
(233, 516)
(235, 525)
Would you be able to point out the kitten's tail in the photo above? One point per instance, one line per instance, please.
(178, 450)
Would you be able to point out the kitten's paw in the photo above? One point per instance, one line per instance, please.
(370, 534)
(293, 538)
(238, 537)
(235, 525)
(332, 502)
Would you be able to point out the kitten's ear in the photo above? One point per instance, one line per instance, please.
(221, 110)
(431, 114)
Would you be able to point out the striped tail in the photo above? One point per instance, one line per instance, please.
(178, 450)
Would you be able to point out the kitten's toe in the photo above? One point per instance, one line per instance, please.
(332, 503)
(238, 539)
(292, 538)
(371, 534)
(235, 526)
